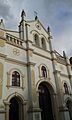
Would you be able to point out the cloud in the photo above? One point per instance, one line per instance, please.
(5, 10)
(55, 13)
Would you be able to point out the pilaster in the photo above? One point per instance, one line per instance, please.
(2, 113)
(1, 78)
(68, 69)
(34, 112)
(62, 110)
(7, 110)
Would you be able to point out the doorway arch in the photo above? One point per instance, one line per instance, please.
(69, 106)
(45, 101)
(15, 109)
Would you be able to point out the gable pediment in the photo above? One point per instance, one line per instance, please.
(37, 26)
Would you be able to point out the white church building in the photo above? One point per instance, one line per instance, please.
(35, 80)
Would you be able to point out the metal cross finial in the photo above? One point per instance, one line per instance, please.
(49, 32)
(48, 29)
(35, 14)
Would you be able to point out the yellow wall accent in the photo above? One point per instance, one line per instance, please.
(8, 80)
(33, 87)
(1, 33)
(33, 77)
(30, 53)
(1, 78)
(2, 43)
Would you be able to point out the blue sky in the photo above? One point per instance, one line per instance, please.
(54, 13)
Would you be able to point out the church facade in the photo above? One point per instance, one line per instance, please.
(35, 80)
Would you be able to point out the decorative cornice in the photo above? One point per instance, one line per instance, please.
(22, 47)
(40, 48)
(2, 111)
(61, 61)
(3, 55)
(57, 71)
(35, 32)
(16, 61)
(41, 55)
(29, 49)
(62, 109)
(10, 86)
(28, 41)
(1, 37)
(64, 75)
(31, 63)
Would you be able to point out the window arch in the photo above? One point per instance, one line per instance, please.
(66, 88)
(36, 39)
(15, 78)
(43, 43)
(70, 60)
(44, 71)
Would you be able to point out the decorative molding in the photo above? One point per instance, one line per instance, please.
(22, 47)
(14, 61)
(34, 32)
(28, 41)
(3, 55)
(38, 26)
(64, 75)
(42, 35)
(31, 63)
(41, 55)
(8, 98)
(48, 82)
(16, 51)
(10, 86)
(2, 42)
(41, 48)
(29, 49)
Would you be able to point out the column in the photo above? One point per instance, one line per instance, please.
(7, 110)
(33, 111)
(23, 82)
(8, 80)
(1, 78)
(25, 111)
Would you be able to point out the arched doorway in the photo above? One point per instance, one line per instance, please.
(16, 109)
(45, 102)
(69, 106)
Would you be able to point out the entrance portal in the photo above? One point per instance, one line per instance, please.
(45, 102)
(69, 106)
(15, 109)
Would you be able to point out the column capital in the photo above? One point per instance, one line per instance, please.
(57, 71)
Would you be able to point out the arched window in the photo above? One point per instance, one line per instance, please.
(15, 79)
(43, 43)
(44, 71)
(36, 39)
(70, 60)
(66, 88)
